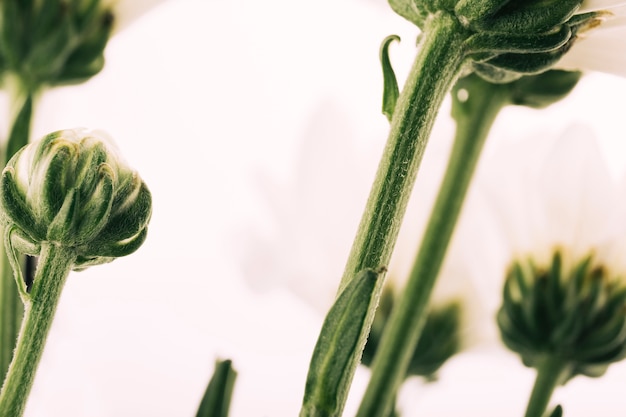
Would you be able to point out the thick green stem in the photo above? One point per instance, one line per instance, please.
(550, 372)
(55, 263)
(437, 65)
(435, 69)
(474, 119)
(11, 307)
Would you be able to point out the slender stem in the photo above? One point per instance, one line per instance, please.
(435, 69)
(54, 265)
(474, 119)
(11, 307)
(549, 374)
(11, 311)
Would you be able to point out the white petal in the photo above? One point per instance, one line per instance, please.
(126, 11)
(602, 50)
(593, 5)
(577, 192)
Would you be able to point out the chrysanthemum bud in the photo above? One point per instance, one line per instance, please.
(507, 39)
(573, 313)
(439, 341)
(71, 188)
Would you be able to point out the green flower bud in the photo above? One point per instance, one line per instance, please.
(575, 314)
(72, 189)
(53, 42)
(508, 39)
(439, 341)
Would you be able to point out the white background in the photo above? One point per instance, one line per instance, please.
(204, 97)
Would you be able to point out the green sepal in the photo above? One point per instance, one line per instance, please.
(339, 347)
(390, 84)
(218, 394)
(14, 208)
(528, 16)
(513, 43)
(508, 67)
(539, 91)
(409, 10)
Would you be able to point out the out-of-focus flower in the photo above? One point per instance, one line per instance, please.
(57, 42)
(316, 222)
(551, 193)
(561, 216)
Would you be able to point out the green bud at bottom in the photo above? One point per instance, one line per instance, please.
(575, 314)
(439, 341)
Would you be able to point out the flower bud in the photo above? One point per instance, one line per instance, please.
(508, 39)
(441, 336)
(574, 313)
(72, 189)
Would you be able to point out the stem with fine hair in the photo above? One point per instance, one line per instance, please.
(437, 65)
(439, 61)
(400, 337)
(55, 263)
(11, 308)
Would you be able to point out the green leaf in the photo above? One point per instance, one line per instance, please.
(339, 347)
(390, 84)
(216, 400)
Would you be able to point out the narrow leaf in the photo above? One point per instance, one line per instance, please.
(558, 412)
(216, 400)
(390, 84)
(340, 346)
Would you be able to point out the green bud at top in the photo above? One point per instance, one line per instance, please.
(71, 188)
(53, 42)
(575, 314)
(507, 39)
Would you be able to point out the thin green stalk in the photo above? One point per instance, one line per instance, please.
(54, 266)
(11, 310)
(549, 374)
(436, 67)
(11, 307)
(474, 119)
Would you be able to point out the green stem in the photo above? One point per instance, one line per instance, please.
(474, 119)
(438, 63)
(436, 67)
(550, 372)
(11, 310)
(11, 307)
(55, 263)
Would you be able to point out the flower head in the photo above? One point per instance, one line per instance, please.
(560, 213)
(72, 189)
(59, 42)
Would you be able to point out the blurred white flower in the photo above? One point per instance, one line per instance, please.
(554, 193)
(316, 218)
(603, 47)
